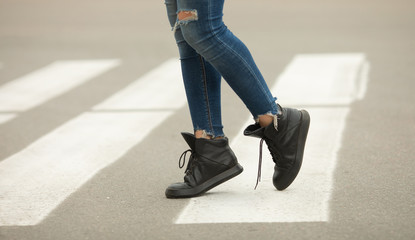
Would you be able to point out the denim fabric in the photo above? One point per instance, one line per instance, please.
(209, 51)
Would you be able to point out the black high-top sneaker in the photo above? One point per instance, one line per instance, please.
(286, 139)
(211, 163)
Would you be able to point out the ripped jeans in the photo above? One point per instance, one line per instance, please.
(209, 51)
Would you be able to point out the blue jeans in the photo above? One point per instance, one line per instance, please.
(209, 51)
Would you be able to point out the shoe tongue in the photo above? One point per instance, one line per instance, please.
(190, 139)
(254, 131)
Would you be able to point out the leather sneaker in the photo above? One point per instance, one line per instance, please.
(211, 163)
(285, 138)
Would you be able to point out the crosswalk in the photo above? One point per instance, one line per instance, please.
(48, 82)
(325, 84)
(35, 180)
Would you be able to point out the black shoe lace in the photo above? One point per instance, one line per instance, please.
(258, 178)
(182, 160)
(274, 153)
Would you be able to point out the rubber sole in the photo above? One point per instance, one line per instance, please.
(207, 185)
(302, 137)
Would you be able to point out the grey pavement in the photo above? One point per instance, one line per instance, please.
(373, 194)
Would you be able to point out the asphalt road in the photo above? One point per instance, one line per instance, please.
(373, 183)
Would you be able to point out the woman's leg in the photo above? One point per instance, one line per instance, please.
(202, 84)
(211, 161)
(201, 25)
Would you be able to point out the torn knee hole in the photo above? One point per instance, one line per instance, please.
(184, 17)
(187, 15)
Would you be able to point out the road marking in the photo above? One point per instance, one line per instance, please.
(46, 83)
(317, 79)
(34, 181)
(37, 179)
(151, 92)
(320, 80)
(5, 117)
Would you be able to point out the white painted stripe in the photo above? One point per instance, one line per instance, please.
(152, 91)
(5, 117)
(34, 181)
(307, 199)
(37, 179)
(364, 76)
(318, 79)
(51, 81)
